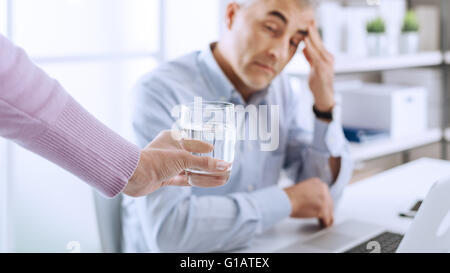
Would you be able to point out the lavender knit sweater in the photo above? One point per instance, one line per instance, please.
(37, 113)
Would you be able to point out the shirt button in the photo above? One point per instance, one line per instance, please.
(251, 188)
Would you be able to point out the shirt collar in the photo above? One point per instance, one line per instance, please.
(214, 75)
(217, 79)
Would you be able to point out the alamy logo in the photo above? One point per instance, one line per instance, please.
(73, 247)
(374, 246)
(254, 123)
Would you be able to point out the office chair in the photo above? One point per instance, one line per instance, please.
(109, 222)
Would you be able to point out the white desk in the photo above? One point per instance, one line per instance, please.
(378, 200)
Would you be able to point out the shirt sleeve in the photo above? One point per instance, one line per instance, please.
(308, 157)
(174, 220)
(38, 114)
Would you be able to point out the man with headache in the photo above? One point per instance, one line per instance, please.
(244, 67)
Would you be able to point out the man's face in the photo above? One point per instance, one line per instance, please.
(263, 38)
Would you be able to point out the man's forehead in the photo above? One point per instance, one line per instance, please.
(288, 11)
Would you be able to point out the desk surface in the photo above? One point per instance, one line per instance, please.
(378, 199)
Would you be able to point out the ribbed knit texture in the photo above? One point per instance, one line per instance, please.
(37, 113)
(82, 145)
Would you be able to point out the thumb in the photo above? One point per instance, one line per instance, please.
(206, 163)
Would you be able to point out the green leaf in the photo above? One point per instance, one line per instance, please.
(410, 23)
(376, 25)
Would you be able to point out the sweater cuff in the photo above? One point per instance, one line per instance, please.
(81, 144)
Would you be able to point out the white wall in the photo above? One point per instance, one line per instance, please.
(3, 17)
(191, 25)
(97, 59)
(81, 27)
(3, 194)
(3, 154)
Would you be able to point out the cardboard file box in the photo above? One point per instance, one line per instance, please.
(399, 110)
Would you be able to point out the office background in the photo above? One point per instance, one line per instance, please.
(98, 49)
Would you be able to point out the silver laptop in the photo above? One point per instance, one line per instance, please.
(430, 231)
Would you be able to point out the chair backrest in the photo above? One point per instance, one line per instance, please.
(108, 213)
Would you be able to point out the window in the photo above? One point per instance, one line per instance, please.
(191, 25)
(3, 194)
(3, 17)
(97, 49)
(3, 154)
(50, 28)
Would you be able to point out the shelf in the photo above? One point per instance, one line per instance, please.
(367, 151)
(447, 57)
(447, 134)
(351, 64)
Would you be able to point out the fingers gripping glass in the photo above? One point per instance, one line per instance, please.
(214, 123)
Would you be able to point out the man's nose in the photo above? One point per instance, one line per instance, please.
(278, 49)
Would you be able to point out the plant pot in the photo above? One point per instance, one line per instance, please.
(409, 42)
(377, 44)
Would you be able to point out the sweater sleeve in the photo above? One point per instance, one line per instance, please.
(38, 114)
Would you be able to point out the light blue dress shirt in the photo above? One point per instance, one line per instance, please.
(176, 219)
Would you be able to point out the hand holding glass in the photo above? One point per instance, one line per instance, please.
(214, 123)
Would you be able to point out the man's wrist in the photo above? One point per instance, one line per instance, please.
(289, 193)
(324, 115)
(324, 105)
(325, 102)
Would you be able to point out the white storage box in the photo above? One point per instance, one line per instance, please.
(400, 110)
(431, 79)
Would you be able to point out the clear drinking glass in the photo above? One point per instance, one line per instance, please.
(214, 123)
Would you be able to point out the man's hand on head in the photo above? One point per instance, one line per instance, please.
(321, 78)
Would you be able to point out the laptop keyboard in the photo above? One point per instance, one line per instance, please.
(387, 242)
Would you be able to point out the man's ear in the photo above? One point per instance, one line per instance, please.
(232, 9)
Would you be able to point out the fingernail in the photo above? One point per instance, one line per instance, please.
(222, 165)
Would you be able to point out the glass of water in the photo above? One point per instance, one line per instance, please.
(214, 123)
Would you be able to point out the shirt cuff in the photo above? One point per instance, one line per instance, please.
(329, 138)
(274, 205)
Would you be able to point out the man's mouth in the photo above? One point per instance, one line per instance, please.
(266, 68)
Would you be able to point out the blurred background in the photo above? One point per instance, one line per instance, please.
(391, 63)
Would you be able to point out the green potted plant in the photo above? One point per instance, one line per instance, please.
(409, 40)
(376, 37)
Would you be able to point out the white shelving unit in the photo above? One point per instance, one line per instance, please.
(447, 134)
(447, 57)
(447, 61)
(348, 64)
(367, 151)
(351, 64)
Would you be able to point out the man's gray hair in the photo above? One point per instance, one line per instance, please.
(302, 3)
